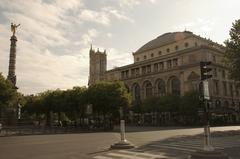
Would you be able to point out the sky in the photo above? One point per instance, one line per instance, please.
(54, 37)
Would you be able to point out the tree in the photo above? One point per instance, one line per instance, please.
(75, 103)
(189, 107)
(8, 95)
(232, 53)
(107, 98)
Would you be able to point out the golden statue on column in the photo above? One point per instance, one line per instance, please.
(14, 28)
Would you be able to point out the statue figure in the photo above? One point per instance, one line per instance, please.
(14, 28)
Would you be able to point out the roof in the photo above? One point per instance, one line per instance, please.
(165, 39)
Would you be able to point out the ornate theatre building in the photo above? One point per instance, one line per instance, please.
(169, 64)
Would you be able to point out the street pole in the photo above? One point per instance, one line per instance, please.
(207, 144)
(123, 143)
(208, 151)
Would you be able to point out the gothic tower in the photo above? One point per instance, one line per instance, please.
(12, 61)
(98, 66)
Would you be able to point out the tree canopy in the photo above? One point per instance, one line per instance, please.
(232, 53)
(8, 93)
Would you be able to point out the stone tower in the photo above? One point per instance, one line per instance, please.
(12, 61)
(98, 66)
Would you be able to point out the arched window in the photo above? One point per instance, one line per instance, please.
(217, 103)
(193, 81)
(174, 86)
(148, 89)
(161, 91)
(136, 91)
(226, 104)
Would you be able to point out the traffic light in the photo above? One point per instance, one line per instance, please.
(204, 67)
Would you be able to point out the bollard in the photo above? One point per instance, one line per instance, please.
(123, 143)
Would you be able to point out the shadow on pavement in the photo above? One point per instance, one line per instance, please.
(181, 147)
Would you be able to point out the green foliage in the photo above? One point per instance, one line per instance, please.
(233, 51)
(189, 104)
(184, 109)
(8, 94)
(168, 103)
(105, 97)
(108, 97)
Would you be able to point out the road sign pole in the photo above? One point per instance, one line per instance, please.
(208, 151)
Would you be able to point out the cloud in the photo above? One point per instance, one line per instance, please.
(200, 26)
(94, 16)
(87, 38)
(128, 3)
(39, 65)
(104, 16)
(54, 37)
(117, 58)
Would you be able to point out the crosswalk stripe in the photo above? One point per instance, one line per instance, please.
(101, 157)
(173, 147)
(140, 153)
(124, 156)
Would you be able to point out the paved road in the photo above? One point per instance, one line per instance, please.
(150, 144)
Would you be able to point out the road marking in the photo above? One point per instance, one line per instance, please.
(124, 156)
(140, 153)
(172, 147)
(101, 157)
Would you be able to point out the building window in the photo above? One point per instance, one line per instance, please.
(152, 55)
(127, 73)
(144, 70)
(137, 71)
(145, 57)
(161, 66)
(148, 68)
(215, 72)
(136, 92)
(161, 88)
(156, 67)
(175, 62)
(186, 44)
(168, 50)
(223, 74)
(176, 47)
(175, 86)
(217, 103)
(226, 104)
(237, 91)
(231, 89)
(137, 59)
(225, 88)
(148, 89)
(159, 52)
(196, 44)
(122, 74)
(169, 64)
(214, 58)
(133, 72)
(216, 90)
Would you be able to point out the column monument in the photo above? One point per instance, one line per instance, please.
(12, 58)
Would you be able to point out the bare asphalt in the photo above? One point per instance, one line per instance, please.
(88, 145)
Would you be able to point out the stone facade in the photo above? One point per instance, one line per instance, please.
(170, 64)
(98, 66)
